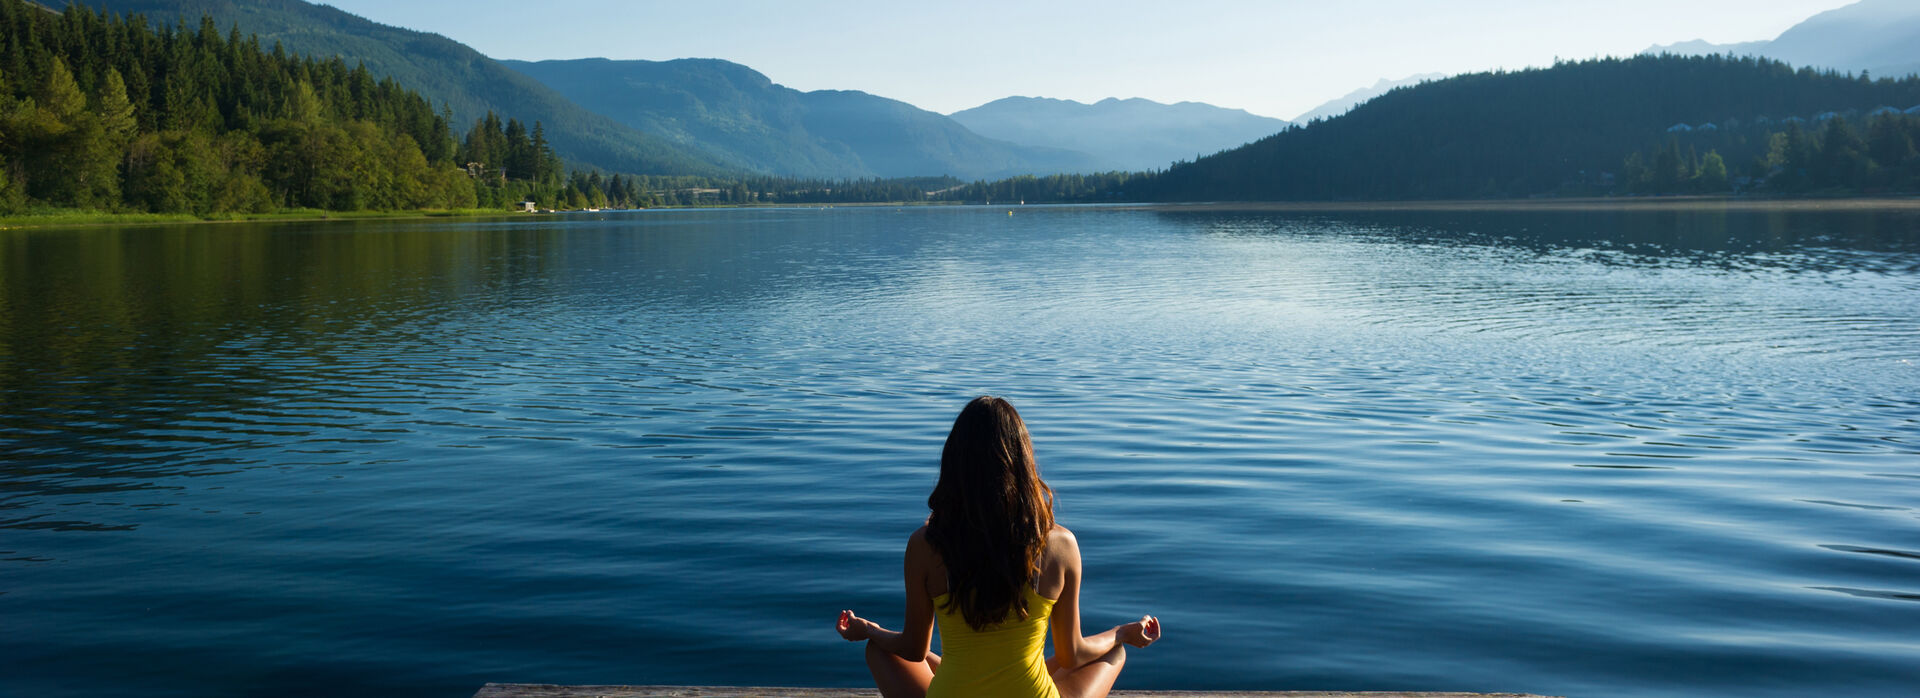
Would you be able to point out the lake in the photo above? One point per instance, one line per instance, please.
(1615, 453)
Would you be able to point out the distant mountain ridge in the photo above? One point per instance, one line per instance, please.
(1355, 98)
(1879, 36)
(440, 69)
(742, 117)
(1120, 134)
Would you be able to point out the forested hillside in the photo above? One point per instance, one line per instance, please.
(444, 71)
(1567, 129)
(108, 114)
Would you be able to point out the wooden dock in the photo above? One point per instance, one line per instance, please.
(535, 690)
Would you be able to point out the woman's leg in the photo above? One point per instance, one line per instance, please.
(899, 678)
(1093, 679)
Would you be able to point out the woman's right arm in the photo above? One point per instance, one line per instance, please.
(1070, 648)
(913, 643)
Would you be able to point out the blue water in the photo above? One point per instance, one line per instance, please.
(1579, 454)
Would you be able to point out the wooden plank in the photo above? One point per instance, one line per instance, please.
(535, 690)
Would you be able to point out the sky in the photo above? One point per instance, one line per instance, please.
(1275, 58)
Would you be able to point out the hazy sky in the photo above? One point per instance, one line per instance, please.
(1275, 58)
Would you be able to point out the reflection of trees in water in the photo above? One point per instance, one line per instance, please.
(132, 357)
(1808, 240)
(135, 358)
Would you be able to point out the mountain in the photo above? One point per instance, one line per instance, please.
(1523, 133)
(440, 69)
(1879, 36)
(1122, 134)
(747, 120)
(1355, 98)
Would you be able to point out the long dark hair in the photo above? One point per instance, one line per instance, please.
(991, 513)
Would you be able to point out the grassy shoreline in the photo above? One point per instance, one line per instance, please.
(82, 219)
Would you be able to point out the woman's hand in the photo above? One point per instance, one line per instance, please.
(854, 628)
(1141, 633)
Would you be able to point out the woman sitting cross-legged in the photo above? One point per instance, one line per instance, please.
(996, 571)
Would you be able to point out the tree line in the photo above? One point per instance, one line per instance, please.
(1839, 153)
(106, 113)
(1542, 131)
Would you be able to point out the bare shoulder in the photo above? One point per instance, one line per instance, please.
(1061, 543)
(1063, 537)
(1060, 564)
(917, 543)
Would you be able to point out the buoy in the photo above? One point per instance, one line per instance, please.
(1009, 213)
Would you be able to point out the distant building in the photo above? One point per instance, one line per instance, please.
(1679, 128)
(1706, 127)
(528, 206)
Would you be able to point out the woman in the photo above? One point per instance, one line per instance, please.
(997, 572)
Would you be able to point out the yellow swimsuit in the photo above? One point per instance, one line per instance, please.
(1007, 660)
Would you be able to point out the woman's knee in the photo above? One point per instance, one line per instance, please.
(1093, 679)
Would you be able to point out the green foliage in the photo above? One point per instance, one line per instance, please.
(109, 114)
(444, 71)
(1712, 176)
(1110, 186)
(1563, 129)
(1842, 154)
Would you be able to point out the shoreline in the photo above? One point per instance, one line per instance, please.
(1687, 204)
(94, 220)
(1593, 204)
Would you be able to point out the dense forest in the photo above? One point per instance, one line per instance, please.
(449, 74)
(1564, 130)
(101, 113)
(1835, 152)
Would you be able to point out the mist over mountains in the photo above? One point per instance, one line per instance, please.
(1878, 36)
(1119, 134)
(738, 115)
(1360, 96)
